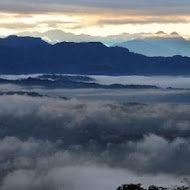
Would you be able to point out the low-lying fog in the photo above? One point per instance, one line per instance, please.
(118, 95)
(160, 81)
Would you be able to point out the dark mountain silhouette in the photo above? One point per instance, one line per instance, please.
(26, 42)
(29, 94)
(69, 83)
(83, 58)
(22, 93)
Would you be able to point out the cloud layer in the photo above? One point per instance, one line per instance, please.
(94, 17)
(41, 165)
(143, 6)
(49, 143)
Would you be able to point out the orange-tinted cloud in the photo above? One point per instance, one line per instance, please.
(84, 16)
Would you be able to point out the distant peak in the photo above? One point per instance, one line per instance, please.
(160, 32)
(22, 37)
(22, 41)
(175, 33)
(84, 44)
(12, 36)
(95, 43)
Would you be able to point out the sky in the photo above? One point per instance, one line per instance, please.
(98, 17)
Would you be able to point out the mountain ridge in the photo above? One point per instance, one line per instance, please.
(166, 44)
(85, 58)
(159, 46)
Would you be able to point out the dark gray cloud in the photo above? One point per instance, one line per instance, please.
(41, 165)
(143, 6)
(98, 121)
(30, 167)
(48, 143)
(100, 127)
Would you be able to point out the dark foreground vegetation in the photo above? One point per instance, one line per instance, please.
(152, 187)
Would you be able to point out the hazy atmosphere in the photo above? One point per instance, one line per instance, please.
(94, 95)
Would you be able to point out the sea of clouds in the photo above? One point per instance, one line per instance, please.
(50, 143)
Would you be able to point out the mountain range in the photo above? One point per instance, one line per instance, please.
(55, 36)
(25, 55)
(150, 44)
(71, 82)
(159, 46)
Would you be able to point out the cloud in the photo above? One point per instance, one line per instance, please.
(90, 119)
(97, 16)
(113, 134)
(159, 7)
(49, 143)
(16, 26)
(142, 12)
(41, 165)
(143, 20)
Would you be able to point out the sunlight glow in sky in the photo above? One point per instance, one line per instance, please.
(105, 17)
